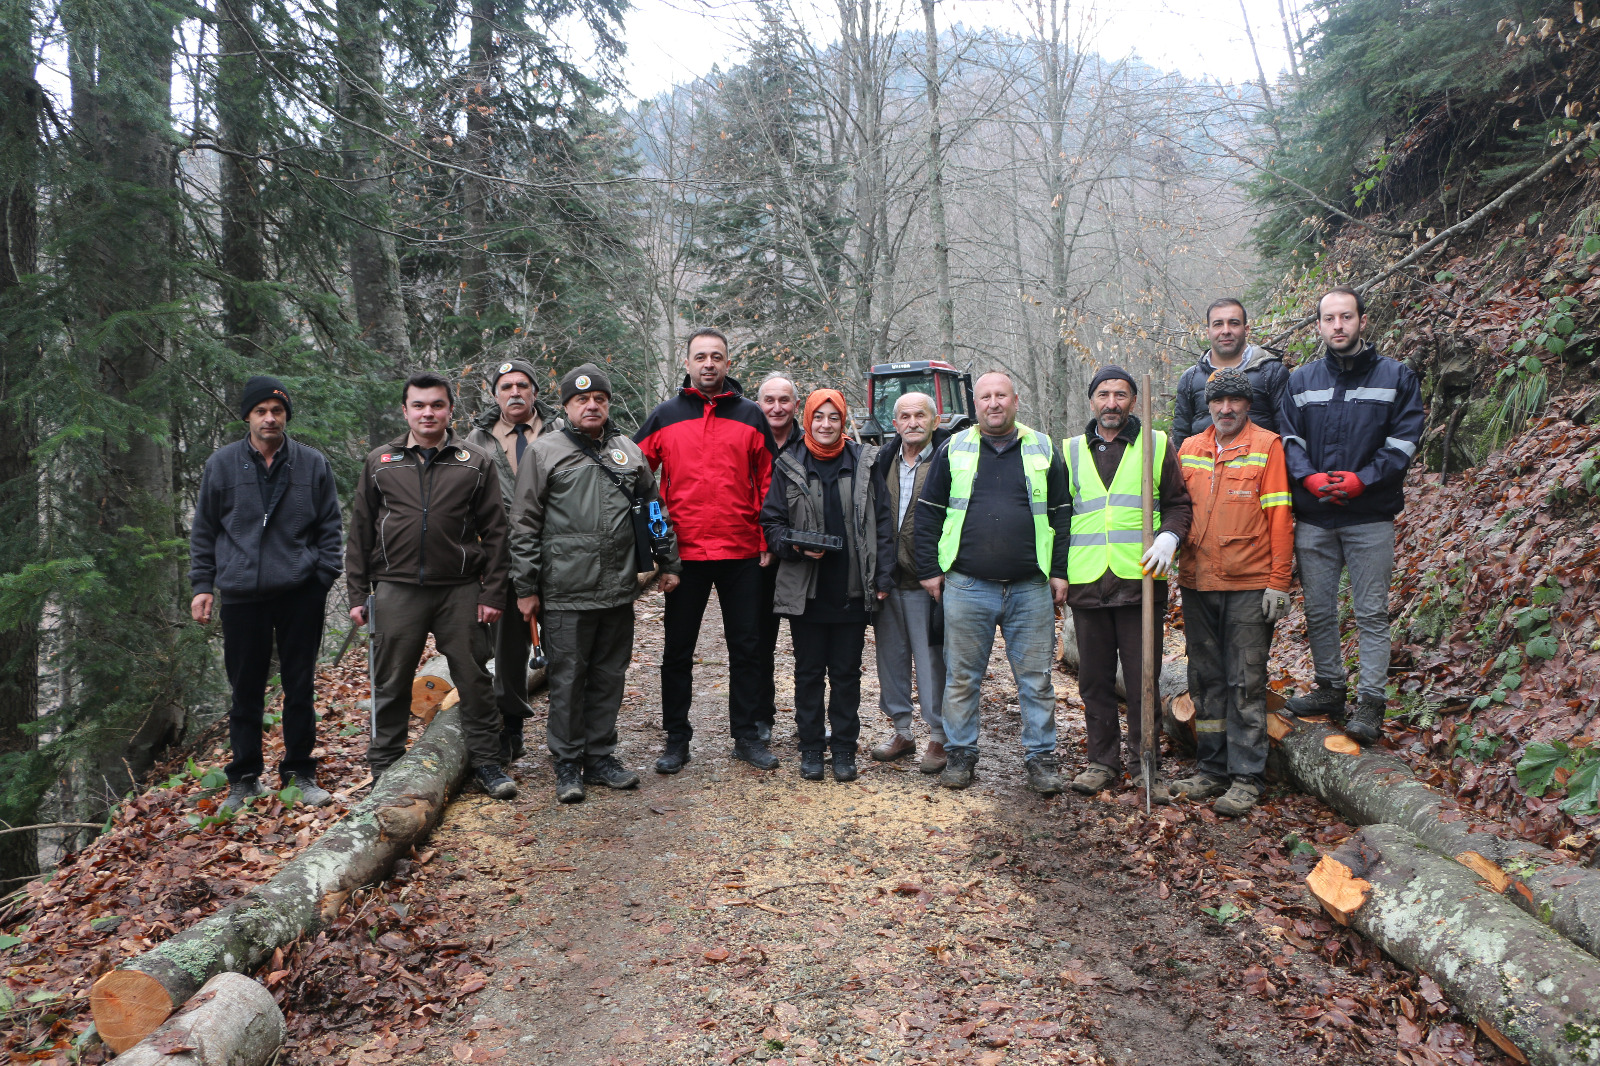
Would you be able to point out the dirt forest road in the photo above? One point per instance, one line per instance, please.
(725, 915)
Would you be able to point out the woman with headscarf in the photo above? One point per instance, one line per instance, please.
(829, 487)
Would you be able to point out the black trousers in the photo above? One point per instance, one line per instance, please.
(1104, 635)
(738, 585)
(767, 698)
(1228, 638)
(294, 620)
(831, 652)
(512, 642)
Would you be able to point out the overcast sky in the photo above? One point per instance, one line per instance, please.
(671, 41)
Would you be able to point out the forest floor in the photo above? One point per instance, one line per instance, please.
(725, 915)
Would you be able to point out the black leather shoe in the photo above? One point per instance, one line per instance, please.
(608, 770)
(1325, 698)
(495, 781)
(569, 781)
(674, 758)
(811, 765)
(844, 767)
(755, 753)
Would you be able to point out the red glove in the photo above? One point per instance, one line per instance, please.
(1320, 485)
(1347, 486)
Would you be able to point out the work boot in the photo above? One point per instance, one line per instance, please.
(495, 781)
(898, 746)
(243, 791)
(1327, 698)
(1366, 721)
(1044, 775)
(608, 770)
(755, 753)
(764, 732)
(674, 758)
(311, 793)
(1199, 785)
(958, 769)
(1239, 799)
(1096, 779)
(811, 765)
(844, 766)
(569, 781)
(934, 758)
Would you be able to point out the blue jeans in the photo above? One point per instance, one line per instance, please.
(1026, 616)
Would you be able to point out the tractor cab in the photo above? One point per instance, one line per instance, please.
(887, 382)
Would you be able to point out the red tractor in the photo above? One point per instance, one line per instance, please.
(950, 388)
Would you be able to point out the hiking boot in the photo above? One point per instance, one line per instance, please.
(569, 781)
(844, 766)
(243, 791)
(1095, 779)
(764, 732)
(495, 781)
(933, 759)
(674, 758)
(311, 793)
(1044, 775)
(755, 753)
(1327, 698)
(811, 765)
(958, 769)
(898, 746)
(1366, 721)
(608, 770)
(1238, 800)
(1199, 785)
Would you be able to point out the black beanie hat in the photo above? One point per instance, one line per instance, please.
(513, 366)
(262, 388)
(1112, 373)
(586, 377)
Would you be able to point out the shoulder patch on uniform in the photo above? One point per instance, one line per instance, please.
(462, 455)
(619, 457)
(391, 457)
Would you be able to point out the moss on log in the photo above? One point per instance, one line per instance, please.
(307, 893)
(1519, 978)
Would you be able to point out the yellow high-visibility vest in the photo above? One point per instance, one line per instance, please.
(1107, 523)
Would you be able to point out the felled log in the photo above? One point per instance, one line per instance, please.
(1369, 786)
(1531, 991)
(361, 848)
(232, 1021)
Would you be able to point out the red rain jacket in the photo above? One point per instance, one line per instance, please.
(713, 456)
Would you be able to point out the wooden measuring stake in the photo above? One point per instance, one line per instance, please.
(1147, 601)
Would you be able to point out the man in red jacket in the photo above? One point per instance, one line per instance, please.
(712, 449)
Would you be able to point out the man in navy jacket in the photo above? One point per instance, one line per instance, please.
(267, 539)
(1351, 424)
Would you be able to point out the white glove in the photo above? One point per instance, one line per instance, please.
(1274, 604)
(1158, 557)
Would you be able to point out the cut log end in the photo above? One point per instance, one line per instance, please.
(1342, 744)
(1497, 879)
(1501, 1042)
(427, 695)
(1278, 727)
(1340, 892)
(128, 1005)
(232, 1021)
(1183, 707)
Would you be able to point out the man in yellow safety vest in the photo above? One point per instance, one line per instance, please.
(1106, 563)
(991, 548)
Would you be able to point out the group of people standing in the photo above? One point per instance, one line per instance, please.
(553, 524)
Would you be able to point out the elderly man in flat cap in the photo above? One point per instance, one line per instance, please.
(1106, 566)
(505, 432)
(1234, 573)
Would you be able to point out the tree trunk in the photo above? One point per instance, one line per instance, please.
(305, 895)
(232, 1021)
(374, 266)
(1532, 992)
(941, 234)
(240, 89)
(21, 100)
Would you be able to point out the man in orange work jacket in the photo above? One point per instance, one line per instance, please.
(1234, 572)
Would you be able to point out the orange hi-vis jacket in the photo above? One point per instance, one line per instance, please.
(1242, 536)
